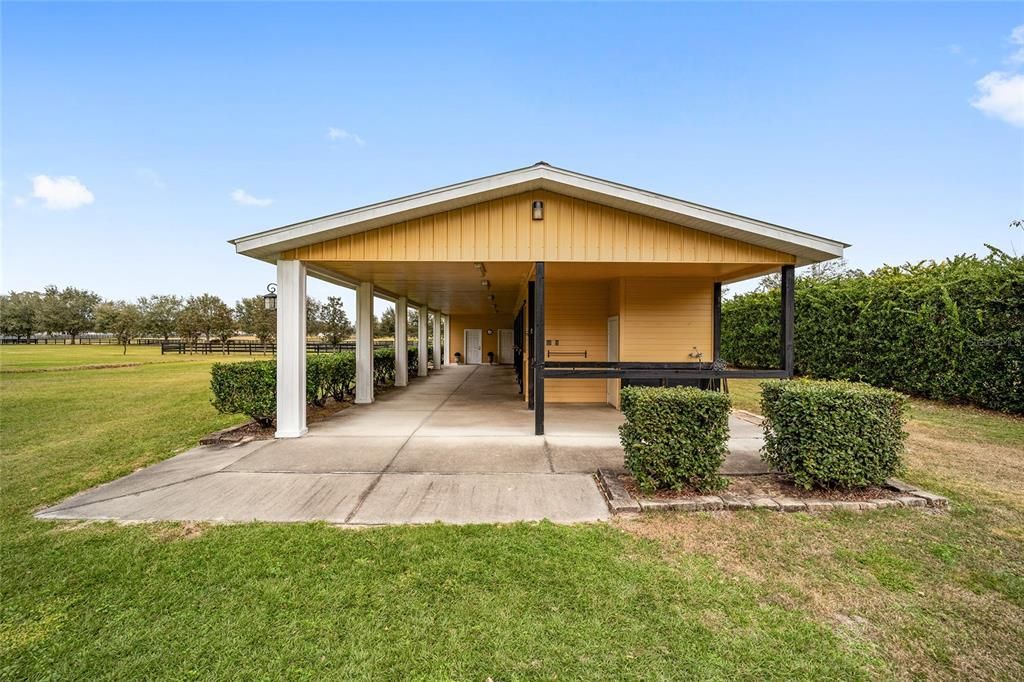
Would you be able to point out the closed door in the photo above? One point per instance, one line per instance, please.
(505, 350)
(474, 346)
(613, 356)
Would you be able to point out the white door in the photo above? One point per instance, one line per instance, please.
(613, 356)
(505, 350)
(473, 343)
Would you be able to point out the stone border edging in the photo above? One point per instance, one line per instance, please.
(620, 501)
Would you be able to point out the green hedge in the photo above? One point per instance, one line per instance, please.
(250, 387)
(329, 375)
(833, 433)
(950, 331)
(246, 388)
(675, 437)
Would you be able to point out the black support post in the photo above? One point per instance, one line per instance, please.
(788, 313)
(717, 322)
(538, 349)
(531, 314)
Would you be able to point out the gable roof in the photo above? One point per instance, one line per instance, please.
(808, 248)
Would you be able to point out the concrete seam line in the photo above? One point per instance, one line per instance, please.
(370, 488)
(547, 455)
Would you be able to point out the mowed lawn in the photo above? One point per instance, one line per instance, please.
(896, 593)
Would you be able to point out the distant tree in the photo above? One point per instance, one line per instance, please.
(68, 311)
(333, 322)
(20, 313)
(413, 323)
(252, 317)
(160, 315)
(122, 319)
(206, 315)
(313, 307)
(384, 328)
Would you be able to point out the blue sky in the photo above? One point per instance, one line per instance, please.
(184, 125)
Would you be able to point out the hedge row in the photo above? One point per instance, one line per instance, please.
(675, 437)
(833, 433)
(950, 331)
(250, 388)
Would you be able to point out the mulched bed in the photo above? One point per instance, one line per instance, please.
(253, 431)
(764, 485)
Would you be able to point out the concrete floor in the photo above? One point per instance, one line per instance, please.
(457, 447)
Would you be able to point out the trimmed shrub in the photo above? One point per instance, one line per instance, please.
(383, 366)
(248, 388)
(952, 330)
(833, 433)
(675, 437)
(251, 387)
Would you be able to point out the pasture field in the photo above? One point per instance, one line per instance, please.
(895, 593)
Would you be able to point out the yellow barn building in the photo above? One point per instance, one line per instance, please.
(581, 283)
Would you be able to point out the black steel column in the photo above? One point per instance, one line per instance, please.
(788, 313)
(531, 314)
(717, 322)
(538, 350)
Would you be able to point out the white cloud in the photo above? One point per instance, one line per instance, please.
(955, 49)
(152, 177)
(1017, 38)
(245, 199)
(337, 134)
(20, 201)
(1001, 95)
(61, 194)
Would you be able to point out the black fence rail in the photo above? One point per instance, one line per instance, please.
(253, 347)
(80, 341)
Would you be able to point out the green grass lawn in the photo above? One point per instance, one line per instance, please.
(740, 596)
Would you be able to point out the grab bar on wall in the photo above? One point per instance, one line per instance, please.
(554, 353)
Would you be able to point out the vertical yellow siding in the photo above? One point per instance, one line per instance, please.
(576, 316)
(503, 230)
(662, 320)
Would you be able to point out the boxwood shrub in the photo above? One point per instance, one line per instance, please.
(833, 433)
(329, 375)
(675, 437)
(246, 388)
(250, 388)
(383, 366)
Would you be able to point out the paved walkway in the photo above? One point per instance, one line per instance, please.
(457, 447)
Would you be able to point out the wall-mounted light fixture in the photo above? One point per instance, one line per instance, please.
(486, 283)
(270, 298)
(538, 210)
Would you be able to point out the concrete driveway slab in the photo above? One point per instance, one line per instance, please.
(482, 498)
(235, 497)
(371, 422)
(198, 461)
(584, 454)
(456, 446)
(480, 454)
(322, 455)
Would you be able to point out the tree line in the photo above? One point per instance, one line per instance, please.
(72, 312)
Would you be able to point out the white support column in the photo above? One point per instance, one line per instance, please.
(421, 343)
(447, 339)
(364, 343)
(401, 342)
(291, 349)
(438, 360)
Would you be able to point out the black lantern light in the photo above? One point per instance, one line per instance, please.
(270, 298)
